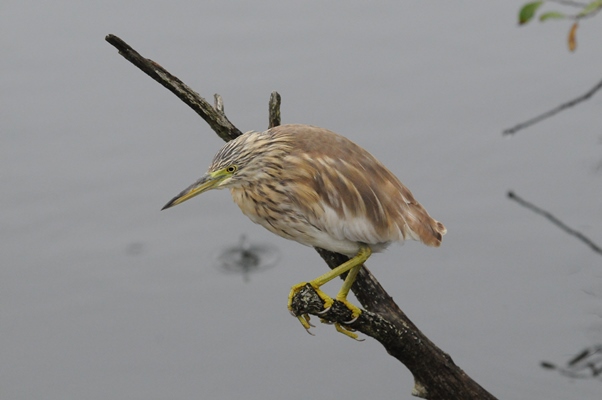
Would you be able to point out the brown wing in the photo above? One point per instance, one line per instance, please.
(347, 192)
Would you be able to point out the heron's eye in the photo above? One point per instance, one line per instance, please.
(232, 169)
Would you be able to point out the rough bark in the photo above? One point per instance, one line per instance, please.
(435, 374)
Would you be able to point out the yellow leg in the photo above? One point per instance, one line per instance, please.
(353, 265)
(342, 295)
(362, 255)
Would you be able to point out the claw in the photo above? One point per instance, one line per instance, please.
(324, 311)
(304, 319)
(345, 330)
(355, 312)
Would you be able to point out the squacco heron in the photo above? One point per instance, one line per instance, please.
(320, 189)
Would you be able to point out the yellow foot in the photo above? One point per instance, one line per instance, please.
(347, 331)
(304, 319)
(355, 312)
(296, 288)
(328, 302)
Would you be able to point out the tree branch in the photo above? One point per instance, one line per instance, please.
(556, 221)
(435, 374)
(214, 117)
(554, 111)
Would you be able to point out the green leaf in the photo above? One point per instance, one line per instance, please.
(527, 12)
(551, 15)
(591, 7)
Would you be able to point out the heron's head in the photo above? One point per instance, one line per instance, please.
(243, 160)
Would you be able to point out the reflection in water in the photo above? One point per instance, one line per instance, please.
(586, 364)
(246, 258)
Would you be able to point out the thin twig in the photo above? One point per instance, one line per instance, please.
(218, 103)
(569, 3)
(555, 221)
(274, 110)
(217, 120)
(554, 111)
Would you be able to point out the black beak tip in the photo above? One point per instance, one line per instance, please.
(168, 205)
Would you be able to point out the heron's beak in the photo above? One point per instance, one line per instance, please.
(207, 182)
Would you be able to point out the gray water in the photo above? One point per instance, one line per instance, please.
(102, 296)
